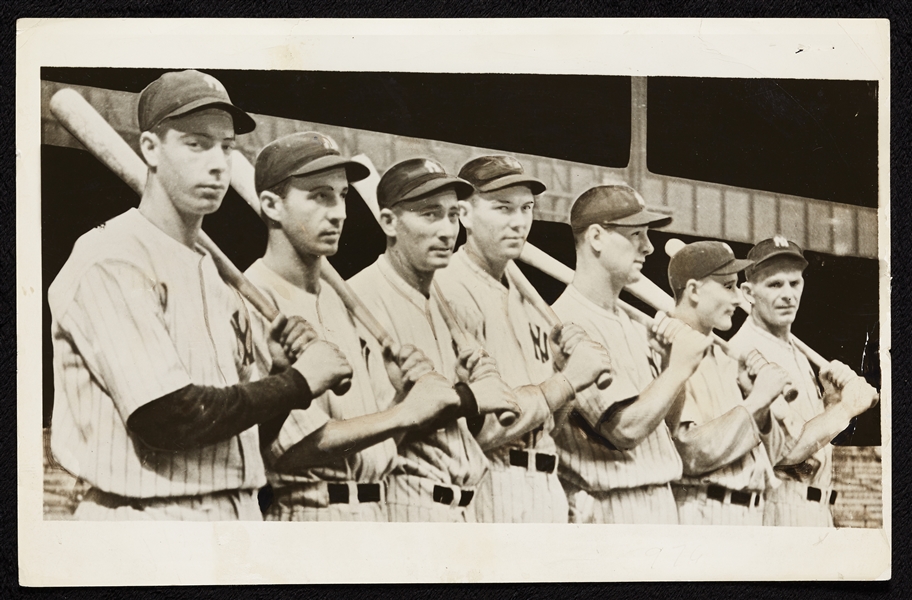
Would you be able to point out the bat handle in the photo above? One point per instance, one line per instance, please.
(342, 387)
(604, 380)
(790, 393)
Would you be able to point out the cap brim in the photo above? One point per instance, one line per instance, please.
(355, 171)
(243, 123)
(463, 188)
(644, 217)
(735, 266)
(534, 184)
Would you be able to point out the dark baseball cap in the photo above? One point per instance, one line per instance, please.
(180, 92)
(302, 153)
(417, 177)
(613, 205)
(489, 173)
(702, 259)
(775, 246)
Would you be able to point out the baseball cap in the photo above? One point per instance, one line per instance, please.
(489, 173)
(775, 246)
(613, 205)
(702, 259)
(302, 153)
(416, 177)
(179, 92)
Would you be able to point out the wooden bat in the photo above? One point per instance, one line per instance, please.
(105, 144)
(649, 293)
(531, 295)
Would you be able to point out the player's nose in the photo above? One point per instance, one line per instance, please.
(646, 246)
(219, 162)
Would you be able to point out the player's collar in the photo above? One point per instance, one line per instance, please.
(574, 293)
(400, 284)
(463, 258)
(757, 330)
(170, 245)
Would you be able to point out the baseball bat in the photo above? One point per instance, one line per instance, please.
(104, 143)
(531, 295)
(649, 292)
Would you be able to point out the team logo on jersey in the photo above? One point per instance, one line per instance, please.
(780, 242)
(244, 338)
(540, 343)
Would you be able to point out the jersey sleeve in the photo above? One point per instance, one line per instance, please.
(116, 321)
(597, 406)
(716, 443)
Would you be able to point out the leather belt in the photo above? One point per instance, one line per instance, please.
(339, 493)
(544, 463)
(741, 498)
(815, 494)
(445, 495)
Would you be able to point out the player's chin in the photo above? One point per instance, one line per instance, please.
(723, 323)
(438, 259)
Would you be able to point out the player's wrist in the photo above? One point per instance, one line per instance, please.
(557, 390)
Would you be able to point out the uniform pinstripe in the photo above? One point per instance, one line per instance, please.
(788, 504)
(719, 430)
(515, 334)
(137, 315)
(600, 479)
(449, 455)
(332, 322)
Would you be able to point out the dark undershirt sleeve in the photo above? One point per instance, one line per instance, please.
(197, 415)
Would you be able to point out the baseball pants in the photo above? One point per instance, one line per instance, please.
(329, 501)
(644, 505)
(511, 493)
(228, 505)
(413, 499)
(715, 505)
(795, 504)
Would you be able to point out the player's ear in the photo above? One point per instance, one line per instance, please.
(747, 291)
(465, 213)
(272, 205)
(388, 221)
(594, 238)
(692, 291)
(148, 145)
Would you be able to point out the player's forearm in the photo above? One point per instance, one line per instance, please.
(197, 416)
(817, 433)
(535, 411)
(722, 441)
(339, 439)
(632, 423)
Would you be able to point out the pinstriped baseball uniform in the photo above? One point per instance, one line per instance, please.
(137, 315)
(605, 484)
(332, 322)
(449, 457)
(788, 504)
(515, 334)
(721, 446)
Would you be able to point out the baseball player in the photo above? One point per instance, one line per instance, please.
(617, 456)
(522, 483)
(774, 286)
(439, 466)
(722, 437)
(156, 403)
(330, 461)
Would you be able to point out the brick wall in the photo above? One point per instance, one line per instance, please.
(858, 477)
